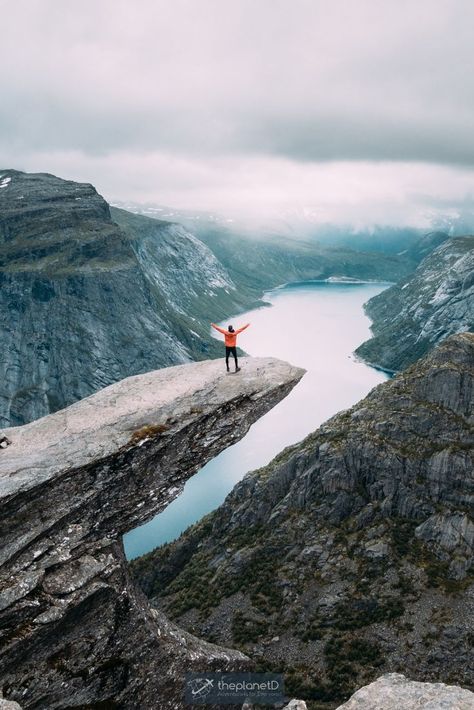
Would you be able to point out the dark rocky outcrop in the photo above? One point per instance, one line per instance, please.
(351, 554)
(436, 301)
(86, 301)
(75, 631)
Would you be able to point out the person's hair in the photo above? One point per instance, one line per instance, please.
(230, 328)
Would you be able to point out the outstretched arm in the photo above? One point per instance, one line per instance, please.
(239, 330)
(221, 330)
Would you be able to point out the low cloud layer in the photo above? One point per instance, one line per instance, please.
(351, 107)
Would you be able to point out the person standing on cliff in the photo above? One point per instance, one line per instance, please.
(230, 337)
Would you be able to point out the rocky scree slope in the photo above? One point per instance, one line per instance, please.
(86, 301)
(351, 554)
(436, 301)
(75, 631)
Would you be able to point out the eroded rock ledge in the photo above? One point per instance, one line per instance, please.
(74, 629)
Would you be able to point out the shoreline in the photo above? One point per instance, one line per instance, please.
(360, 359)
(329, 281)
(354, 297)
(338, 280)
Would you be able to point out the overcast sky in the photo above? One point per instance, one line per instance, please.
(359, 109)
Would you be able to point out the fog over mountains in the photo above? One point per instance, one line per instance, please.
(360, 112)
(305, 223)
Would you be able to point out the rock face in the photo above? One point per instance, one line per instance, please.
(436, 301)
(75, 630)
(393, 691)
(90, 295)
(351, 553)
(86, 301)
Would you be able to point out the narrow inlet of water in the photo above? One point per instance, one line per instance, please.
(315, 325)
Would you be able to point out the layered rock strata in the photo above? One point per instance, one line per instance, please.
(75, 630)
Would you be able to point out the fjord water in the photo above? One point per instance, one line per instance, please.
(315, 325)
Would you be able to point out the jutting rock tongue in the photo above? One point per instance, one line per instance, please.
(75, 631)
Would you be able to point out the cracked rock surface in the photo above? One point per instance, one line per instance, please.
(75, 630)
(393, 691)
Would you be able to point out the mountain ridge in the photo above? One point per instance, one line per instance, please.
(91, 294)
(85, 302)
(436, 301)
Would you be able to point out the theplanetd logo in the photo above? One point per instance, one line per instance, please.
(233, 688)
(200, 687)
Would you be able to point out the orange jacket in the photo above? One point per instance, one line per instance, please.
(230, 338)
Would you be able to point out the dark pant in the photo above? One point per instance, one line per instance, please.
(230, 351)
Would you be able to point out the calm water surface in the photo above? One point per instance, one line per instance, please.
(314, 325)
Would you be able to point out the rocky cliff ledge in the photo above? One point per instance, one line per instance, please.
(352, 553)
(75, 631)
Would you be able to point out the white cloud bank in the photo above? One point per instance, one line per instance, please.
(362, 110)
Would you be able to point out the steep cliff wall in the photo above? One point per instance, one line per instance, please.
(436, 301)
(350, 554)
(89, 295)
(74, 629)
(85, 302)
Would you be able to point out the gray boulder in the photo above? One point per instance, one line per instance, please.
(395, 692)
(8, 704)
